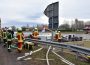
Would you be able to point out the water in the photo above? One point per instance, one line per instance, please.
(43, 36)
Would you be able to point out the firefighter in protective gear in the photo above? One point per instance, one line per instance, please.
(57, 36)
(5, 37)
(20, 38)
(9, 39)
(35, 33)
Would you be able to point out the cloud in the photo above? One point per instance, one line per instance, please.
(25, 21)
(22, 12)
(31, 11)
(75, 9)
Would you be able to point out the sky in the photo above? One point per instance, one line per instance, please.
(23, 12)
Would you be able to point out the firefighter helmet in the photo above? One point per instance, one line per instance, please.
(35, 29)
(59, 31)
(9, 28)
(19, 29)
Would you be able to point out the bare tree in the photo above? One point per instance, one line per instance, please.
(77, 25)
(64, 26)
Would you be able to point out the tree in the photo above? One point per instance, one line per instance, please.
(64, 26)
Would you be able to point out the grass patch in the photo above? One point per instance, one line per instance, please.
(72, 58)
(39, 55)
(82, 43)
(56, 60)
(42, 55)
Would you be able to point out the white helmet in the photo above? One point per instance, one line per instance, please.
(9, 28)
(35, 28)
(59, 31)
(19, 29)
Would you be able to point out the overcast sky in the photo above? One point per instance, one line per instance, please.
(23, 12)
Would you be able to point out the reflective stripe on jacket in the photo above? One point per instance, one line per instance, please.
(4, 35)
(20, 37)
(9, 36)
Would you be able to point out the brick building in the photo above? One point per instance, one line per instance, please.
(87, 29)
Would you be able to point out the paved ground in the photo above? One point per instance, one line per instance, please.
(9, 58)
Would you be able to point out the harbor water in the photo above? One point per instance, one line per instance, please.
(47, 35)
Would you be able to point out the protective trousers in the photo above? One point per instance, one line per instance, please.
(20, 46)
(9, 45)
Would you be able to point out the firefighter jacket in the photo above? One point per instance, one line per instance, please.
(20, 36)
(9, 36)
(4, 35)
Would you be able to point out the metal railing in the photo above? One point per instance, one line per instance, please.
(74, 48)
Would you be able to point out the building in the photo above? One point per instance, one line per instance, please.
(87, 29)
(79, 25)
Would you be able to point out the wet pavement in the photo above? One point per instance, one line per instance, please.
(10, 58)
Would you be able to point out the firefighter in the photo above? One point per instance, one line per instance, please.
(56, 37)
(35, 33)
(12, 32)
(4, 37)
(9, 39)
(13, 39)
(20, 38)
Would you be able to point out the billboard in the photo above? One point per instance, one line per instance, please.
(52, 12)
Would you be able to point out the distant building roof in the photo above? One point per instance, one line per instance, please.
(87, 27)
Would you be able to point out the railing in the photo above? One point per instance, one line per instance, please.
(75, 48)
